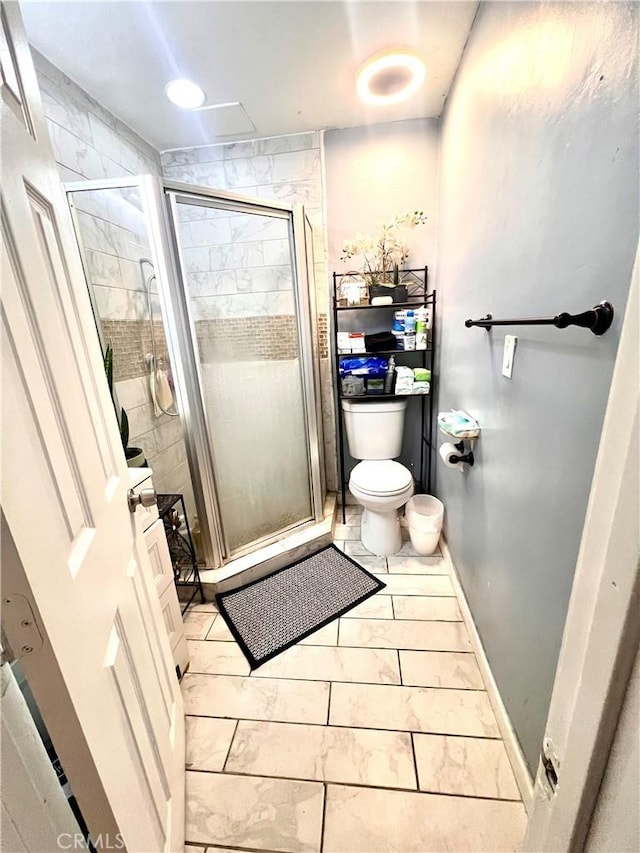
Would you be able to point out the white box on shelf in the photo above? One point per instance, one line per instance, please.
(356, 342)
(344, 344)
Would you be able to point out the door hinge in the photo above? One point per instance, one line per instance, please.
(20, 633)
(550, 764)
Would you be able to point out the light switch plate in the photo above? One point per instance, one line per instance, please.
(509, 352)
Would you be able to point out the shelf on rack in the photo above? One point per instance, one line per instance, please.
(382, 396)
(385, 352)
(415, 302)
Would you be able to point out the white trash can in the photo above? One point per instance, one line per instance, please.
(424, 515)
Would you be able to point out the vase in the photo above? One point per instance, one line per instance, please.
(380, 290)
(135, 457)
(400, 293)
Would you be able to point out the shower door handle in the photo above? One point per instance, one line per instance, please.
(145, 497)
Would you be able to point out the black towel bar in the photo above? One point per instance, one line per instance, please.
(598, 319)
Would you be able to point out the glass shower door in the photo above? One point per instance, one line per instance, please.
(238, 272)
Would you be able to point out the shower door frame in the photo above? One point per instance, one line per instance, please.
(181, 339)
(157, 196)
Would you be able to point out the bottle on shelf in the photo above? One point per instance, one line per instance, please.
(410, 331)
(421, 328)
(428, 309)
(391, 371)
(397, 329)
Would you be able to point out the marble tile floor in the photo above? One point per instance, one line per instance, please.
(373, 734)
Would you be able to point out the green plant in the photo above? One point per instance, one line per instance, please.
(384, 253)
(122, 417)
(124, 430)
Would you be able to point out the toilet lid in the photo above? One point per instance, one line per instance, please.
(382, 477)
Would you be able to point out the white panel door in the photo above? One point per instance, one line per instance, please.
(602, 632)
(108, 692)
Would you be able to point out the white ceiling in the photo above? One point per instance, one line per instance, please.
(290, 64)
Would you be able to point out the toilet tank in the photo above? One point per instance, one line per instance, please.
(374, 430)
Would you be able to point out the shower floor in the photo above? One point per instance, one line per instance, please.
(294, 545)
(373, 734)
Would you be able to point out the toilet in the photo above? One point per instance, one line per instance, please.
(382, 486)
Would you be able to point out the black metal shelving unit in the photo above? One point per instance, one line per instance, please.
(186, 574)
(416, 281)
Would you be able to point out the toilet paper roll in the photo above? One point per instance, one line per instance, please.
(446, 450)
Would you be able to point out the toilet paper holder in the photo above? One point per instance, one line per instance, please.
(459, 427)
(464, 458)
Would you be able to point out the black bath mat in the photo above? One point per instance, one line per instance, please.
(270, 615)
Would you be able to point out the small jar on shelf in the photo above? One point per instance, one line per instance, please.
(352, 292)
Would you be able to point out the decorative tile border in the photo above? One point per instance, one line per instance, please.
(131, 341)
(272, 338)
(323, 339)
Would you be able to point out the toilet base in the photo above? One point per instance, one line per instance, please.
(380, 532)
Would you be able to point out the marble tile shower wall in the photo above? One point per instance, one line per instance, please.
(237, 265)
(90, 143)
(240, 269)
(113, 232)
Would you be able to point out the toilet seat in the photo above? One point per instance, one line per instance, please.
(381, 477)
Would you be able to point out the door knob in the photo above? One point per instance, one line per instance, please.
(145, 497)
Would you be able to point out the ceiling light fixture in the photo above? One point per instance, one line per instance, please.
(390, 77)
(184, 93)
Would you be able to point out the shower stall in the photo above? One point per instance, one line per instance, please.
(207, 300)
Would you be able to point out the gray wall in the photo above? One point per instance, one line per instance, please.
(374, 172)
(371, 174)
(539, 214)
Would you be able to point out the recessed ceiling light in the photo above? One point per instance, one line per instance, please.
(185, 94)
(390, 77)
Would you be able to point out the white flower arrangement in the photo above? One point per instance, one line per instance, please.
(386, 251)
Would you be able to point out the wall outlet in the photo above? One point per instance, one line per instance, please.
(509, 352)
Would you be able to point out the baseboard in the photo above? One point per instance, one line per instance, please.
(519, 765)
